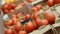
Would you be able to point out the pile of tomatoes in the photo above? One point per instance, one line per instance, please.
(6, 8)
(36, 8)
(19, 24)
(10, 7)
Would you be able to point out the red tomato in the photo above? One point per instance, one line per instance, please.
(13, 6)
(9, 31)
(50, 2)
(29, 27)
(41, 22)
(15, 20)
(35, 16)
(56, 1)
(38, 7)
(22, 32)
(30, 0)
(18, 27)
(34, 9)
(27, 16)
(10, 22)
(50, 17)
(6, 6)
(6, 11)
(35, 25)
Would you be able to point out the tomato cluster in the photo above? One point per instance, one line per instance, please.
(18, 23)
(36, 8)
(52, 2)
(6, 8)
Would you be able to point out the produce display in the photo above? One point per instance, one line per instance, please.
(25, 24)
(28, 23)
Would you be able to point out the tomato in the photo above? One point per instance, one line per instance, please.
(29, 27)
(30, 0)
(22, 32)
(35, 25)
(6, 11)
(18, 27)
(13, 6)
(50, 17)
(50, 2)
(35, 16)
(41, 22)
(6, 6)
(10, 22)
(38, 7)
(9, 31)
(27, 16)
(56, 1)
(15, 20)
(34, 10)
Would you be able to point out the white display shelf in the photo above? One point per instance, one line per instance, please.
(35, 2)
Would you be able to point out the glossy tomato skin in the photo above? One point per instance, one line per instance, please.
(41, 22)
(15, 20)
(30, 0)
(6, 11)
(9, 31)
(22, 32)
(10, 22)
(13, 6)
(18, 27)
(50, 2)
(56, 1)
(35, 25)
(50, 17)
(38, 7)
(27, 16)
(29, 27)
(35, 16)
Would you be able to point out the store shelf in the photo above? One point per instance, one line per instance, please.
(35, 2)
(45, 29)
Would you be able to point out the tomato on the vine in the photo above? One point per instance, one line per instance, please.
(50, 17)
(41, 22)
